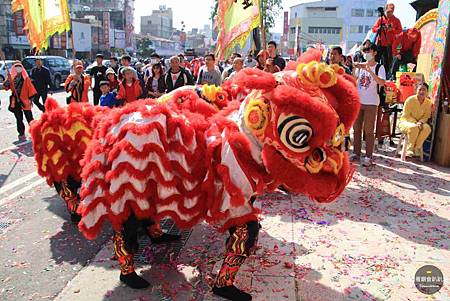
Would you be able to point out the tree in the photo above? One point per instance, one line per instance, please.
(145, 47)
(270, 10)
(214, 9)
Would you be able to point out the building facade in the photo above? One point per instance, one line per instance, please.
(13, 40)
(159, 23)
(110, 23)
(107, 17)
(332, 22)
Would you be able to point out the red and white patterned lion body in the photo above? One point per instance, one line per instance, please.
(184, 159)
(201, 153)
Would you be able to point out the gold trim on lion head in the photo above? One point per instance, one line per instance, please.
(256, 116)
(317, 74)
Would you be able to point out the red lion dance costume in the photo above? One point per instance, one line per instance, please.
(191, 160)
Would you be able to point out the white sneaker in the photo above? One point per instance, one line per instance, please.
(366, 162)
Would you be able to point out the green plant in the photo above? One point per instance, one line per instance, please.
(145, 47)
(270, 10)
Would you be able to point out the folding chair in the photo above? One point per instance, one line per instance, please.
(402, 147)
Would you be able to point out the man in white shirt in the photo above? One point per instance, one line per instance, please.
(370, 78)
(229, 69)
(238, 65)
(250, 62)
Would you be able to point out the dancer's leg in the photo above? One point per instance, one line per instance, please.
(240, 245)
(126, 261)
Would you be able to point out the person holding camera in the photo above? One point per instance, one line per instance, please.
(23, 92)
(386, 28)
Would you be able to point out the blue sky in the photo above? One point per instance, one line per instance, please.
(196, 15)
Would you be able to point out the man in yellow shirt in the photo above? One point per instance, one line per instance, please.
(413, 123)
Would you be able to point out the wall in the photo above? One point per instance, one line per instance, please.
(159, 24)
(119, 38)
(315, 14)
(82, 37)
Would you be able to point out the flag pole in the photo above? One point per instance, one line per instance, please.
(74, 51)
(263, 31)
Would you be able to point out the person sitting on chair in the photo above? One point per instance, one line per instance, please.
(413, 123)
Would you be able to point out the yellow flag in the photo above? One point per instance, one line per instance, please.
(43, 18)
(235, 21)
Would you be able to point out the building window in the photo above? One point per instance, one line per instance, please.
(358, 28)
(330, 8)
(9, 24)
(324, 30)
(367, 29)
(369, 13)
(356, 12)
(292, 30)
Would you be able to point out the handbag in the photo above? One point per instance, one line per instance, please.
(383, 127)
(385, 124)
(12, 101)
(15, 103)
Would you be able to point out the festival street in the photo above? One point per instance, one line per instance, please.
(211, 150)
(365, 246)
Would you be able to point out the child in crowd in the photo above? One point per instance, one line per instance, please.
(108, 99)
(129, 88)
(111, 76)
(270, 66)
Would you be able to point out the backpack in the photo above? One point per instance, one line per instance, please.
(380, 90)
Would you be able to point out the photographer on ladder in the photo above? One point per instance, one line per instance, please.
(386, 28)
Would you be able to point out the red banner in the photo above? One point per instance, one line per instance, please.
(286, 24)
(106, 20)
(19, 23)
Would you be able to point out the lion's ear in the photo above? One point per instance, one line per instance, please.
(51, 104)
(252, 78)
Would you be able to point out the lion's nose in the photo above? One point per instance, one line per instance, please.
(335, 160)
(314, 162)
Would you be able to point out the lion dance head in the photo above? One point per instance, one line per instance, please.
(300, 118)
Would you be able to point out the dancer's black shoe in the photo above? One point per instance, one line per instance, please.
(164, 238)
(231, 293)
(134, 281)
(75, 218)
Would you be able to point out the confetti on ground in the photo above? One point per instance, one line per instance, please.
(392, 219)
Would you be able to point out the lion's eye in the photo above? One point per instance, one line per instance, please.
(295, 132)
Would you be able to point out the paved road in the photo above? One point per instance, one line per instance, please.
(392, 219)
(40, 249)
